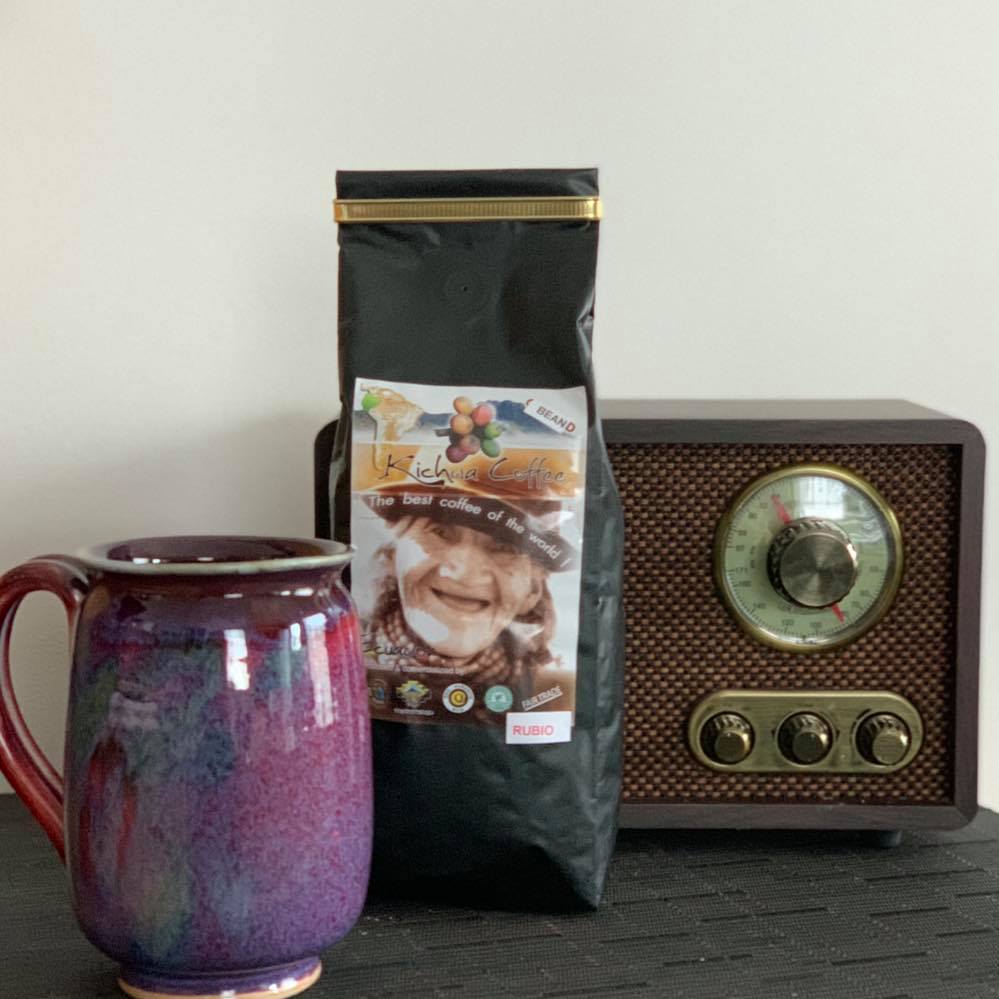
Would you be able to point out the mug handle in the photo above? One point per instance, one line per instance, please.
(22, 762)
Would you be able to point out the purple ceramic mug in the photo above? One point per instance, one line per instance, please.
(216, 813)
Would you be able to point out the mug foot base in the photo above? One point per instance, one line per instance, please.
(278, 982)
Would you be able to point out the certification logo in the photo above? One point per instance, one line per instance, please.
(499, 698)
(378, 693)
(412, 693)
(458, 698)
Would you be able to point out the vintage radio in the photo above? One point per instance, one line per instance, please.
(802, 587)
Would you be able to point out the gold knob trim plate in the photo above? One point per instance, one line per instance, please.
(791, 730)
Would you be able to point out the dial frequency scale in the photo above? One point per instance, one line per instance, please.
(809, 557)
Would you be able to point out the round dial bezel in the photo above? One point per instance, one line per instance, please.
(877, 610)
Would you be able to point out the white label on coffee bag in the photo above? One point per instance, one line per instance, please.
(467, 515)
(538, 726)
(547, 412)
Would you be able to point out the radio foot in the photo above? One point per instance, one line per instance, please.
(885, 839)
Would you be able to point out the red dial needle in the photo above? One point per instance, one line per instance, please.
(785, 517)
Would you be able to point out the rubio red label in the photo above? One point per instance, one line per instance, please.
(538, 726)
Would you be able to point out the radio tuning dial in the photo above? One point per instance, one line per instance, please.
(805, 738)
(727, 738)
(808, 557)
(812, 563)
(883, 739)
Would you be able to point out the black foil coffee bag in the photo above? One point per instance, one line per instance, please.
(469, 471)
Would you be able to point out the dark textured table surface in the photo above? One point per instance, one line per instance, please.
(710, 915)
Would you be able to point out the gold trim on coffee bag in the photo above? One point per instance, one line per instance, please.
(375, 210)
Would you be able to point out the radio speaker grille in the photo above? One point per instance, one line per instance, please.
(682, 644)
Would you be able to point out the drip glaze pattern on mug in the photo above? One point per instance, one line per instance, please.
(219, 777)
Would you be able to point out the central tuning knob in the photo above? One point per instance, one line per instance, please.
(805, 738)
(812, 563)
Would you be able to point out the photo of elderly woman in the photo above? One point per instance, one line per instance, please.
(460, 590)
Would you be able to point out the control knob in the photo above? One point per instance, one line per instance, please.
(727, 738)
(883, 739)
(812, 563)
(805, 738)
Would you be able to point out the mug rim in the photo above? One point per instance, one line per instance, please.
(316, 553)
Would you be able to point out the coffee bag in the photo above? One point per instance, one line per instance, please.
(469, 471)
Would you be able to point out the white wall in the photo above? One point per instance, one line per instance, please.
(801, 200)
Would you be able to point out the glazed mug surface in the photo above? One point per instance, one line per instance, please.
(215, 816)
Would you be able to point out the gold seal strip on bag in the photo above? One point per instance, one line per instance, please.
(374, 210)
